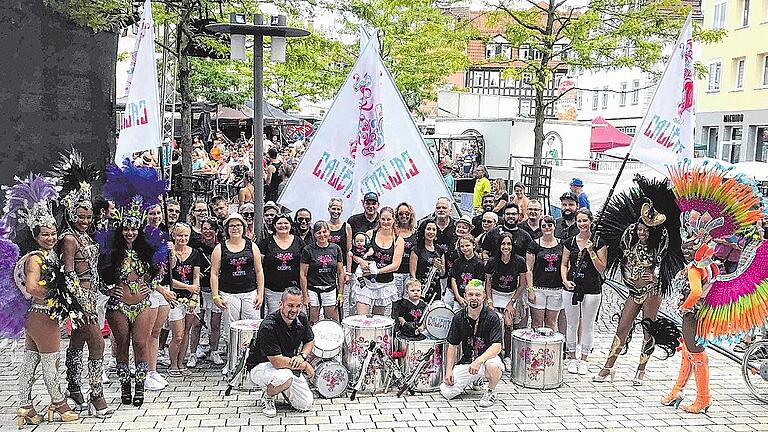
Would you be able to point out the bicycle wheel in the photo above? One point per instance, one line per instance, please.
(754, 369)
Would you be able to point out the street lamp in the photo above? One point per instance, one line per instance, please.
(279, 32)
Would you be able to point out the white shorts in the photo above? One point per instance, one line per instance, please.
(317, 299)
(462, 378)
(239, 307)
(547, 298)
(377, 293)
(501, 299)
(272, 300)
(180, 311)
(299, 395)
(156, 300)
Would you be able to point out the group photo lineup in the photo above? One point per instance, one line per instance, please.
(459, 215)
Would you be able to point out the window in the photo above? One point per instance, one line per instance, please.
(765, 69)
(494, 79)
(595, 96)
(605, 97)
(739, 74)
(732, 146)
(635, 92)
(718, 20)
(710, 135)
(761, 144)
(498, 47)
(526, 79)
(744, 13)
(522, 52)
(713, 76)
(578, 100)
(623, 95)
(525, 107)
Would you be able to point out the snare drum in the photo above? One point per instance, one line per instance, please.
(240, 334)
(434, 371)
(329, 337)
(537, 358)
(359, 332)
(438, 320)
(331, 379)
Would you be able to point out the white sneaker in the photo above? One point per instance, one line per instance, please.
(573, 366)
(508, 364)
(152, 384)
(268, 406)
(199, 352)
(478, 384)
(488, 399)
(216, 358)
(105, 377)
(157, 377)
(192, 361)
(583, 367)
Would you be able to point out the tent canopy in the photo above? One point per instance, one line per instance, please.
(272, 115)
(605, 136)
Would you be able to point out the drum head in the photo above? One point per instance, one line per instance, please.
(331, 379)
(368, 321)
(328, 335)
(438, 322)
(248, 324)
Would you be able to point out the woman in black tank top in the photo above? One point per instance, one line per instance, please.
(386, 259)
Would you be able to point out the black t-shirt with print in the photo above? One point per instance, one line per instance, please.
(205, 266)
(281, 266)
(411, 313)
(588, 280)
(546, 266)
(520, 237)
(505, 276)
(183, 272)
(276, 337)
(465, 270)
(322, 266)
(475, 337)
(409, 244)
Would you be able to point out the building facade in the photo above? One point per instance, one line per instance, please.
(732, 104)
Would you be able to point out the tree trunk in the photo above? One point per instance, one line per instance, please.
(538, 141)
(186, 106)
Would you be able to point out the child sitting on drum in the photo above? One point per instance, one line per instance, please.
(411, 310)
(362, 250)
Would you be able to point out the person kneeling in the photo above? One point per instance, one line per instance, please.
(275, 361)
(478, 328)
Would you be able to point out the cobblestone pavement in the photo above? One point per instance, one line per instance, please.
(197, 403)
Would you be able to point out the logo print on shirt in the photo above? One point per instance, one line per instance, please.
(184, 270)
(416, 314)
(551, 260)
(284, 257)
(325, 262)
(238, 264)
(506, 280)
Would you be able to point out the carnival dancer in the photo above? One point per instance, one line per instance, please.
(478, 329)
(80, 257)
(278, 355)
(641, 230)
(715, 308)
(137, 254)
(34, 298)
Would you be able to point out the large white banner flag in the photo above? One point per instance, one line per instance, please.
(665, 135)
(140, 128)
(367, 142)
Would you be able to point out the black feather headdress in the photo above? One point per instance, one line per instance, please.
(74, 177)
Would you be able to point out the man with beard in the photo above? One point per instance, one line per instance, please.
(275, 361)
(477, 222)
(533, 221)
(522, 239)
(478, 329)
(369, 218)
(446, 226)
(303, 224)
(220, 208)
(565, 226)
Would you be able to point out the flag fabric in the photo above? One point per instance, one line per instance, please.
(140, 127)
(367, 142)
(665, 135)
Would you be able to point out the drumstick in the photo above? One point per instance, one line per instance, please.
(363, 370)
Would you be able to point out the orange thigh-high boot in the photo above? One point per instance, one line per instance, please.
(701, 372)
(675, 396)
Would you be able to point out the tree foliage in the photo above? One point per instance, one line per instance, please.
(97, 15)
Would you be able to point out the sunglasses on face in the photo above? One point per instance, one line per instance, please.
(486, 221)
(547, 225)
(248, 215)
(302, 220)
(404, 214)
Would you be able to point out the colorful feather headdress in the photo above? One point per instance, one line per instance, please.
(74, 178)
(134, 190)
(715, 206)
(29, 202)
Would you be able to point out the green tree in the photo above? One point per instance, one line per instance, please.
(605, 34)
(98, 15)
(420, 44)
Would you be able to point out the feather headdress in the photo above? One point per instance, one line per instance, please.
(74, 178)
(134, 190)
(29, 202)
(13, 304)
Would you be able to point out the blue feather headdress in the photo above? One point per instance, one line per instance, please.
(29, 202)
(134, 190)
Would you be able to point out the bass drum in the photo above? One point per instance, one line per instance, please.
(437, 321)
(359, 332)
(331, 379)
(433, 373)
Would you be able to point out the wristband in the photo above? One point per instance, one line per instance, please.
(216, 297)
(593, 256)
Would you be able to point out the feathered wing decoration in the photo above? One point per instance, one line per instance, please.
(134, 190)
(624, 210)
(74, 178)
(157, 239)
(14, 306)
(737, 303)
(28, 202)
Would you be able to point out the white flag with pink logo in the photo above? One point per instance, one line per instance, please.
(665, 135)
(367, 142)
(140, 127)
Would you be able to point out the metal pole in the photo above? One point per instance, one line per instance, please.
(258, 130)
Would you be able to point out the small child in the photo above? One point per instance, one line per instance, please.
(411, 311)
(361, 251)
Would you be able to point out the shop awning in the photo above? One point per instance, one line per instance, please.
(605, 136)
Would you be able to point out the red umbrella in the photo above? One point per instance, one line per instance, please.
(605, 136)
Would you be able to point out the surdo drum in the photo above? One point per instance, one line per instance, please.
(537, 358)
(438, 319)
(240, 335)
(329, 337)
(433, 373)
(359, 332)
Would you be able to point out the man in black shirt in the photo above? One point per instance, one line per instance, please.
(275, 362)
(478, 329)
(533, 221)
(369, 218)
(487, 205)
(522, 239)
(565, 226)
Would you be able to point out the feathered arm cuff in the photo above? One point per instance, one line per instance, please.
(694, 279)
